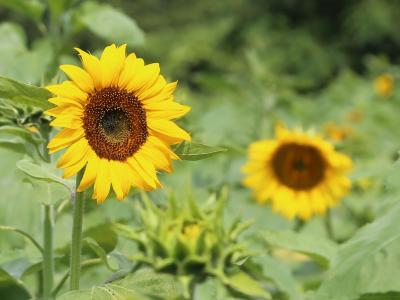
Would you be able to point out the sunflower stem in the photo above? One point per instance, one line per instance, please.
(76, 244)
(48, 259)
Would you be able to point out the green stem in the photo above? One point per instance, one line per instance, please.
(329, 225)
(76, 245)
(48, 259)
(86, 263)
(23, 233)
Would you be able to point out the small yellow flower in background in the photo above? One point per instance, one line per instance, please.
(338, 132)
(300, 173)
(355, 116)
(384, 85)
(117, 116)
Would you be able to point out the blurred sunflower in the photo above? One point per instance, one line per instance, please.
(117, 116)
(337, 132)
(384, 85)
(301, 174)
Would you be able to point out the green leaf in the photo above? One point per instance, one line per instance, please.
(321, 250)
(31, 8)
(41, 172)
(20, 93)
(20, 132)
(110, 24)
(280, 274)
(17, 267)
(368, 263)
(193, 151)
(11, 289)
(101, 253)
(383, 296)
(244, 284)
(141, 285)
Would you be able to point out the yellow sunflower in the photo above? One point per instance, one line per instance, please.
(300, 173)
(117, 116)
(384, 85)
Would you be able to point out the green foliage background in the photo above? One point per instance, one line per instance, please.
(243, 66)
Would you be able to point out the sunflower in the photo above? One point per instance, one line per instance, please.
(117, 116)
(384, 85)
(300, 173)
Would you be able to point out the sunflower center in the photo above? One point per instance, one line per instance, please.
(115, 123)
(299, 167)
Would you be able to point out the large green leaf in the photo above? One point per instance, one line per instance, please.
(19, 93)
(193, 151)
(280, 274)
(41, 172)
(142, 285)
(10, 288)
(320, 249)
(19, 62)
(245, 284)
(31, 8)
(368, 263)
(110, 24)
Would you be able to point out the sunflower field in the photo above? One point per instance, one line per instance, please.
(200, 150)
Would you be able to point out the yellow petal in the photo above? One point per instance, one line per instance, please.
(68, 89)
(156, 142)
(132, 67)
(160, 160)
(116, 181)
(72, 170)
(148, 179)
(164, 95)
(166, 110)
(148, 167)
(92, 65)
(153, 90)
(103, 181)
(67, 121)
(125, 177)
(112, 61)
(63, 101)
(74, 153)
(64, 109)
(168, 130)
(90, 172)
(79, 76)
(147, 76)
(64, 138)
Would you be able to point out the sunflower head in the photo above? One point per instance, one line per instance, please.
(117, 117)
(300, 173)
(384, 85)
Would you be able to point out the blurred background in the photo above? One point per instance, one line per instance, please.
(244, 67)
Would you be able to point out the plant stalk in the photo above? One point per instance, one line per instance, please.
(76, 244)
(329, 225)
(48, 258)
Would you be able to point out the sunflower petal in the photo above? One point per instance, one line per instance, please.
(112, 60)
(147, 76)
(74, 154)
(68, 89)
(79, 76)
(169, 130)
(103, 181)
(116, 181)
(92, 65)
(64, 101)
(90, 171)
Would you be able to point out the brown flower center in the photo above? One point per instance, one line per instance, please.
(115, 123)
(298, 166)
